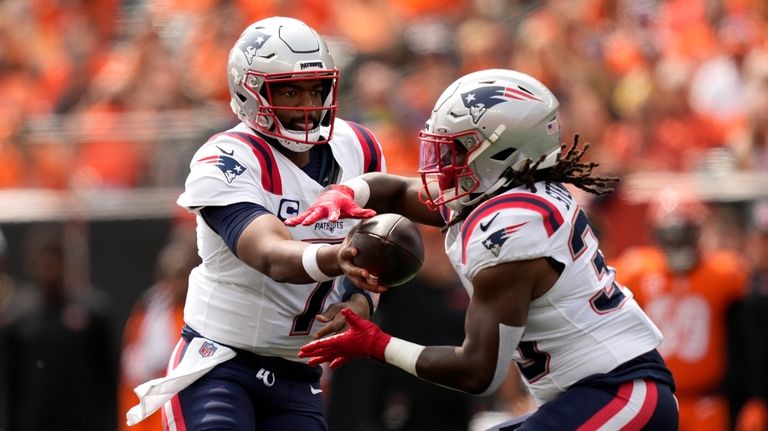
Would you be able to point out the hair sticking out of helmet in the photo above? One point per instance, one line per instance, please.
(278, 52)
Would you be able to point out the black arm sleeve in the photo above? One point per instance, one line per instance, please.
(350, 289)
(230, 221)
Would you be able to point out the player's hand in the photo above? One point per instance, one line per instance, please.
(363, 339)
(360, 277)
(334, 203)
(333, 318)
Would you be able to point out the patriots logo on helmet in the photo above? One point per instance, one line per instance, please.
(479, 100)
(230, 167)
(250, 45)
(496, 239)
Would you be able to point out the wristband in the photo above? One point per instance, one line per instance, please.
(371, 301)
(403, 354)
(361, 189)
(309, 261)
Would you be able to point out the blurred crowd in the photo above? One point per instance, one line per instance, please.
(97, 93)
(117, 94)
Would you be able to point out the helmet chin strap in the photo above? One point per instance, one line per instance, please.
(295, 146)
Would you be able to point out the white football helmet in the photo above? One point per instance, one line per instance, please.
(483, 128)
(277, 50)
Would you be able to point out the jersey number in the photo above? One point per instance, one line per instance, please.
(535, 362)
(303, 322)
(611, 297)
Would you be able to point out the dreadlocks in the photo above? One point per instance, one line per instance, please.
(568, 169)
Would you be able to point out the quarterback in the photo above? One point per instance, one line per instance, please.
(264, 289)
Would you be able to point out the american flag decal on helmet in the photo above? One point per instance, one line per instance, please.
(553, 126)
(207, 349)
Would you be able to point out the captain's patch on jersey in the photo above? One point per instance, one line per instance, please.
(230, 167)
(496, 239)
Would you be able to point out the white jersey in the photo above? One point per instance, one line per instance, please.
(231, 302)
(586, 323)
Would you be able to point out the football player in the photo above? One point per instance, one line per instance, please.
(694, 296)
(263, 289)
(541, 293)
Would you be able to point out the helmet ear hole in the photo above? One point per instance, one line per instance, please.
(503, 154)
(241, 96)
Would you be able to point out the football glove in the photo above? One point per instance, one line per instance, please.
(363, 339)
(333, 203)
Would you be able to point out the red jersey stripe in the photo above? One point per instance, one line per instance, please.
(270, 173)
(370, 147)
(552, 219)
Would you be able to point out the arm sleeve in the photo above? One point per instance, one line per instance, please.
(229, 221)
(348, 289)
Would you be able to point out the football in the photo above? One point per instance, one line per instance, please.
(389, 247)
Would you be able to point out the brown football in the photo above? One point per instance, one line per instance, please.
(389, 247)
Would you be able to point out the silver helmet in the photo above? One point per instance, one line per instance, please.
(280, 50)
(485, 126)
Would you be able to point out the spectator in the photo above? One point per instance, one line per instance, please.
(753, 416)
(15, 297)
(690, 293)
(59, 357)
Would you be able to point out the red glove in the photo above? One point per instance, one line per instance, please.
(363, 339)
(333, 203)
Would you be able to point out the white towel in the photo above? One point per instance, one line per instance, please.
(200, 357)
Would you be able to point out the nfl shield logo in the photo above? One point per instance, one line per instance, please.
(207, 349)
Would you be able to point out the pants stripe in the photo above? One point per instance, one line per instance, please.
(610, 409)
(630, 410)
(172, 418)
(646, 411)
